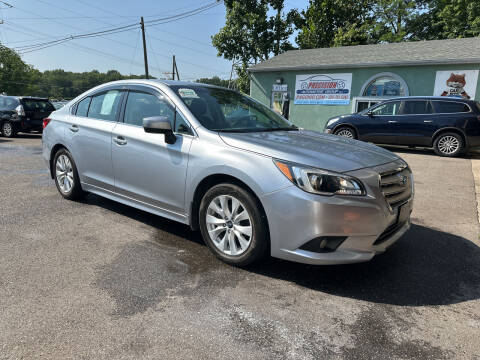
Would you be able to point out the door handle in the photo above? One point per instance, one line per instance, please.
(392, 121)
(74, 128)
(120, 140)
(427, 121)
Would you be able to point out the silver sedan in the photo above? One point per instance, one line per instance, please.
(251, 181)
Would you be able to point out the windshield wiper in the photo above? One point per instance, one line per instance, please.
(248, 130)
(291, 128)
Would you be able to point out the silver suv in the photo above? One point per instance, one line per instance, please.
(221, 162)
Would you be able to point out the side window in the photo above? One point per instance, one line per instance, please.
(389, 108)
(181, 125)
(450, 107)
(82, 107)
(417, 107)
(105, 106)
(141, 105)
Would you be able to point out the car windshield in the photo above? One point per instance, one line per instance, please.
(226, 110)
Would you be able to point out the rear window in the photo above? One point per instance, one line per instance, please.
(450, 107)
(37, 105)
(8, 102)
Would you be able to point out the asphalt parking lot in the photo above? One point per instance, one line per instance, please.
(99, 280)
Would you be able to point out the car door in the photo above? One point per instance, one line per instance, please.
(378, 123)
(146, 168)
(89, 135)
(416, 123)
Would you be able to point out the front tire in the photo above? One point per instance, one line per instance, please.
(8, 129)
(233, 225)
(448, 144)
(66, 175)
(346, 132)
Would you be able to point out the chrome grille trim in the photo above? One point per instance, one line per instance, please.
(396, 186)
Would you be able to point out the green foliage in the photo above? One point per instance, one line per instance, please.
(328, 23)
(18, 78)
(253, 31)
(14, 73)
(457, 18)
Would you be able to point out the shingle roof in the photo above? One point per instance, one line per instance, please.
(433, 52)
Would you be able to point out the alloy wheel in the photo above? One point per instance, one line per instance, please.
(229, 225)
(64, 173)
(345, 133)
(448, 144)
(7, 129)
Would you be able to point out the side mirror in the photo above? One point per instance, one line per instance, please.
(370, 113)
(160, 125)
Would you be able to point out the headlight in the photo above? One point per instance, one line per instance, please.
(318, 181)
(331, 121)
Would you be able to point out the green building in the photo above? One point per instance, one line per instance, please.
(310, 86)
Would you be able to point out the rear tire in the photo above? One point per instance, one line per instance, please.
(66, 175)
(8, 129)
(233, 225)
(448, 144)
(345, 131)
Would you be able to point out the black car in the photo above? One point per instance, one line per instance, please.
(449, 125)
(23, 114)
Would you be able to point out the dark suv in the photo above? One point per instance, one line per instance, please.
(23, 114)
(449, 125)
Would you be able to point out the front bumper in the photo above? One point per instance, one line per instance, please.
(369, 225)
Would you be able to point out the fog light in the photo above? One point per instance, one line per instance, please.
(323, 244)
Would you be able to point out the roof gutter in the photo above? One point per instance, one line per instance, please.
(365, 65)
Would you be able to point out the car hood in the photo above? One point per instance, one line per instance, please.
(324, 151)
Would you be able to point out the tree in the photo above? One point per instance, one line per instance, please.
(251, 35)
(445, 19)
(328, 23)
(392, 19)
(14, 73)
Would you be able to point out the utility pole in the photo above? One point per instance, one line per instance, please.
(142, 24)
(176, 69)
(173, 68)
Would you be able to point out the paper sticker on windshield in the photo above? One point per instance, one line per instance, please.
(187, 93)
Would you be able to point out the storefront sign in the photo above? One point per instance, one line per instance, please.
(327, 89)
(456, 83)
(279, 87)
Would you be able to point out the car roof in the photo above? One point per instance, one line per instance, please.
(443, 98)
(158, 81)
(25, 97)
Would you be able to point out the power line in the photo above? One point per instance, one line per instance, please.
(83, 48)
(32, 47)
(39, 46)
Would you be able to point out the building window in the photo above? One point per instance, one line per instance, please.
(386, 85)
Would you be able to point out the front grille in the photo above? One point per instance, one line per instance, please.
(396, 186)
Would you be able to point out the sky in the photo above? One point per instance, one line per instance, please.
(36, 21)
